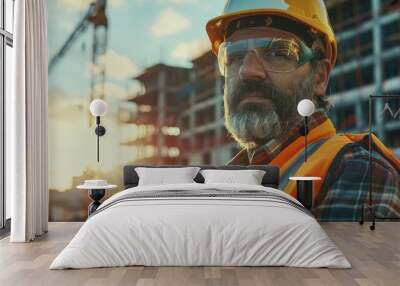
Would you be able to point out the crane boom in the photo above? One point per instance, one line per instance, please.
(79, 29)
(96, 16)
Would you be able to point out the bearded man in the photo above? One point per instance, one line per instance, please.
(273, 54)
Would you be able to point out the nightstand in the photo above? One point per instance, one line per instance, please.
(305, 190)
(96, 192)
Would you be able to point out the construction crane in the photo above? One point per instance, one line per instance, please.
(96, 16)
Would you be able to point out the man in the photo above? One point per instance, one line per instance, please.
(274, 53)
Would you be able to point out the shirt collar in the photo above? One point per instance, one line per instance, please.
(268, 151)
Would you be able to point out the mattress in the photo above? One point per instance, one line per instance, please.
(201, 225)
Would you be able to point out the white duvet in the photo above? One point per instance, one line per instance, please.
(200, 231)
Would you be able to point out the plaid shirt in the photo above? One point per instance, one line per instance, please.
(267, 152)
(345, 187)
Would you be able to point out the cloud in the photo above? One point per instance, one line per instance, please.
(169, 22)
(116, 3)
(75, 4)
(181, 1)
(111, 90)
(135, 87)
(177, 2)
(117, 66)
(69, 106)
(191, 49)
(70, 133)
(66, 105)
(168, 2)
(81, 5)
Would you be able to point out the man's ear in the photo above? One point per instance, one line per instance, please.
(321, 76)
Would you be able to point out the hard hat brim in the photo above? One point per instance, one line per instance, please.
(216, 27)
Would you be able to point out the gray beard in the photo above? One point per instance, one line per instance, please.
(252, 127)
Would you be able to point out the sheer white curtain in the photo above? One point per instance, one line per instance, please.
(26, 120)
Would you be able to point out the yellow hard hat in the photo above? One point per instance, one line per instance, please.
(311, 13)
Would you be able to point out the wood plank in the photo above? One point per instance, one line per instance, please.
(375, 257)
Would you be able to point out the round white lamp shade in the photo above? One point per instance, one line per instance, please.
(305, 107)
(98, 107)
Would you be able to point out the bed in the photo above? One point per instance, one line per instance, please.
(201, 224)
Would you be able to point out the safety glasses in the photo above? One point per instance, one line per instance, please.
(276, 54)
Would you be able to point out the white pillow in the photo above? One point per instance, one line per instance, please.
(162, 176)
(248, 177)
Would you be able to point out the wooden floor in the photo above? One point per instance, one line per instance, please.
(375, 257)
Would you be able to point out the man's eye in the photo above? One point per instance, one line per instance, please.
(277, 53)
(281, 54)
(235, 58)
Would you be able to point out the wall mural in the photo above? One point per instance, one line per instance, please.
(168, 103)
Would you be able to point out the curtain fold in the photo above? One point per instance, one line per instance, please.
(27, 116)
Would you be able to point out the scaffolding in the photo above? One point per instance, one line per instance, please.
(156, 121)
(368, 34)
(204, 139)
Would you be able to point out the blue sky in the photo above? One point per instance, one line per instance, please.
(141, 33)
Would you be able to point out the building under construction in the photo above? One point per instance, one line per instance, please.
(204, 139)
(180, 115)
(368, 34)
(157, 133)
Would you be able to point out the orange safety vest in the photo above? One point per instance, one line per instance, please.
(324, 145)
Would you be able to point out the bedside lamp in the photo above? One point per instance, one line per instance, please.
(305, 108)
(98, 108)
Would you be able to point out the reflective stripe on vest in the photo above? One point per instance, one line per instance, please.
(284, 178)
(320, 161)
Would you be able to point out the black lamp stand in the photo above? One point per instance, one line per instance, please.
(96, 195)
(100, 131)
(304, 131)
(370, 205)
(305, 193)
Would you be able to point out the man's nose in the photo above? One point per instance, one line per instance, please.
(252, 67)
